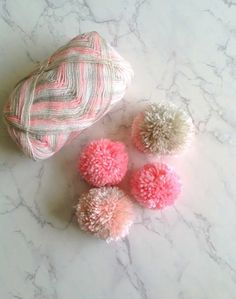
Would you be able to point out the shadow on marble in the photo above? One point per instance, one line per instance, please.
(8, 145)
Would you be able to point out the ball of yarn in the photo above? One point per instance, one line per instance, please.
(65, 94)
(161, 129)
(155, 186)
(105, 212)
(103, 162)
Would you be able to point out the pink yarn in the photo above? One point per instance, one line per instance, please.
(65, 94)
(136, 130)
(155, 186)
(106, 212)
(103, 162)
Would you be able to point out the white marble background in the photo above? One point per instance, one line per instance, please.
(181, 51)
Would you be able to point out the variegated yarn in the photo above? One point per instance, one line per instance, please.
(162, 129)
(69, 92)
(106, 212)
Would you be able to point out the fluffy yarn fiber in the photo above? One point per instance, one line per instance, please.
(67, 93)
(155, 186)
(103, 162)
(105, 212)
(161, 129)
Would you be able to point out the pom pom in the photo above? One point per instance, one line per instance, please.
(103, 162)
(161, 129)
(155, 186)
(105, 212)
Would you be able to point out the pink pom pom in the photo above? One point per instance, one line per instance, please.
(103, 162)
(136, 132)
(155, 186)
(105, 212)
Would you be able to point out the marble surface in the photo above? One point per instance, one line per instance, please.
(182, 52)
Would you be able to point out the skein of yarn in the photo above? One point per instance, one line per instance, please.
(64, 95)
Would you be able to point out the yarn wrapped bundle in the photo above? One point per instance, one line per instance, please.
(106, 212)
(67, 93)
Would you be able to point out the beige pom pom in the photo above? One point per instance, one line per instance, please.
(162, 129)
(105, 212)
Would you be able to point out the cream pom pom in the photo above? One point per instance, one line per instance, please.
(105, 212)
(161, 129)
